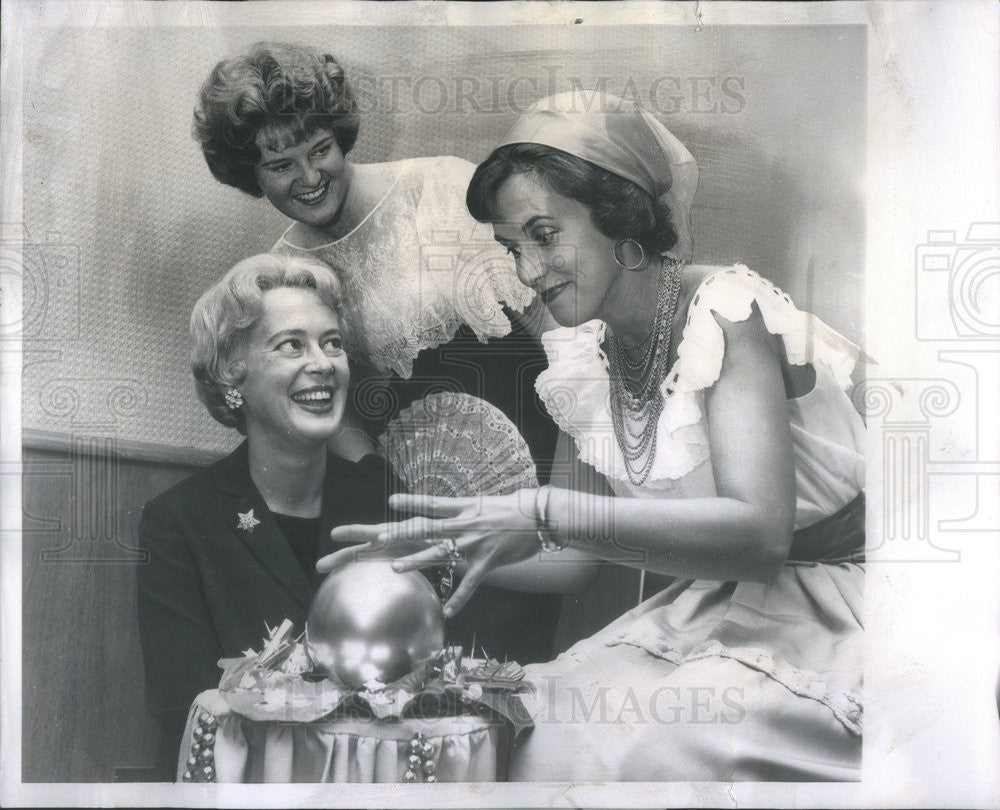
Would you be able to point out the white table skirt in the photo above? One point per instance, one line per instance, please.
(466, 748)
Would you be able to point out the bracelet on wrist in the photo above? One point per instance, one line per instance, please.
(548, 538)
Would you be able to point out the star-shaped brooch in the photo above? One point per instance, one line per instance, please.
(247, 521)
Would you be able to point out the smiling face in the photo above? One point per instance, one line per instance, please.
(295, 386)
(557, 249)
(308, 181)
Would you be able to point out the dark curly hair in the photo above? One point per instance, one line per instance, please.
(286, 91)
(618, 207)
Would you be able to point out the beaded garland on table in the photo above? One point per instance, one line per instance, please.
(421, 760)
(269, 687)
(200, 766)
(635, 416)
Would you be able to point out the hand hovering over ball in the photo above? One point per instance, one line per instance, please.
(481, 533)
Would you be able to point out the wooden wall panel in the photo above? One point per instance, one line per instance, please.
(83, 714)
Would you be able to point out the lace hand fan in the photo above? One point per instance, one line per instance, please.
(455, 444)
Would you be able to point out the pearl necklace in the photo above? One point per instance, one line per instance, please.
(635, 416)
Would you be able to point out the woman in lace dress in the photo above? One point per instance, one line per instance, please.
(425, 286)
(717, 411)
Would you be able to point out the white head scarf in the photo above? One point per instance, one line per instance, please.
(620, 136)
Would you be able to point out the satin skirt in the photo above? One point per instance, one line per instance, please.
(709, 681)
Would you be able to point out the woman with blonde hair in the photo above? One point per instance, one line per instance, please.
(232, 549)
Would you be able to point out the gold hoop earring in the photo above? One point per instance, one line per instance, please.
(642, 255)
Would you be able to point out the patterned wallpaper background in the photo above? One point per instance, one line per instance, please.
(124, 227)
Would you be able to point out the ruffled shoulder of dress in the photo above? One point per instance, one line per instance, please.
(576, 392)
(575, 387)
(733, 293)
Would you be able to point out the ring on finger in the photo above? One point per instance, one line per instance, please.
(450, 547)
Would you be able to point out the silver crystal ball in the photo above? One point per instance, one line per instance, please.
(368, 622)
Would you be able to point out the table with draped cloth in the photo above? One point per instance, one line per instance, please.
(467, 747)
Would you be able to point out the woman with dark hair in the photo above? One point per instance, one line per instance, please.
(429, 298)
(232, 549)
(418, 272)
(717, 411)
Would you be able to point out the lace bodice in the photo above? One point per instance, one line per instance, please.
(418, 267)
(827, 432)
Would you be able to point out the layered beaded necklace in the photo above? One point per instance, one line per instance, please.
(635, 416)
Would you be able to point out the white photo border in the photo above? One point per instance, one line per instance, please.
(933, 624)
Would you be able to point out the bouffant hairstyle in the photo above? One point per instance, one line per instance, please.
(618, 207)
(224, 316)
(285, 91)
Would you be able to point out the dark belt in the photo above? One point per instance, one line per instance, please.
(839, 537)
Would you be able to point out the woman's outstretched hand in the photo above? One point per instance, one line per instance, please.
(479, 532)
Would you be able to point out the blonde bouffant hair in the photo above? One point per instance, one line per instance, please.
(224, 316)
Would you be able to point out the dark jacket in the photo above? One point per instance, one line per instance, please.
(210, 587)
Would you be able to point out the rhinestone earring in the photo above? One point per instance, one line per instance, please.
(234, 399)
